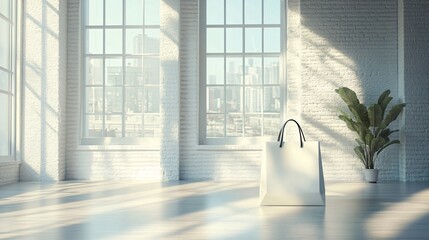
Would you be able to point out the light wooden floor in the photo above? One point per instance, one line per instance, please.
(208, 210)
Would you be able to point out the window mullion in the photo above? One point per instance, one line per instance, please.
(124, 97)
(104, 72)
(224, 72)
(243, 59)
(262, 73)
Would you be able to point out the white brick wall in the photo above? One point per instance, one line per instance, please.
(9, 172)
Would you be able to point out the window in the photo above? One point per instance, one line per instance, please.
(7, 78)
(121, 71)
(241, 55)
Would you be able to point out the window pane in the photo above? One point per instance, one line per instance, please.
(233, 99)
(151, 103)
(151, 125)
(134, 126)
(214, 11)
(253, 99)
(114, 99)
(272, 40)
(114, 71)
(234, 40)
(113, 41)
(215, 70)
(133, 15)
(151, 70)
(253, 71)
(151, 12)
(94, 124)
(151, 41)
(234, 125)
(134, 68)
(94, 71)
(272, 9)
(271, 124)
(134, 41)
(94, 11)
(94, 40)
(253, 11)
(4, 43)
(215, 99)
(215, 41)
(113, 125)
(234, 70)
(234, 11)
(253, 40)
(134, 101)
(5, 7)
(94, 100)
(4, 125)
(253, 125)
(113, 12)
(215, 125)
(4, 80)
(271, 70)
(272, 99)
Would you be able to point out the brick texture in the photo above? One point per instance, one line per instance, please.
(9, 172)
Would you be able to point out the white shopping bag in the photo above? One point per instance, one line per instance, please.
(292, 173)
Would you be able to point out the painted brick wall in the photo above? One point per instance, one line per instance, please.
(416, 88)
(9, 172)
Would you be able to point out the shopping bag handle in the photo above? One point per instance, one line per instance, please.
(281, 133)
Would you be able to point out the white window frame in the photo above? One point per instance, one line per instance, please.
(148, 140)
(225, 140)
(14, 90)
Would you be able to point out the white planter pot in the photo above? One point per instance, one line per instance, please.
(371, 175)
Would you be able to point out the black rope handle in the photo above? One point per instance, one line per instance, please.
(281, 133)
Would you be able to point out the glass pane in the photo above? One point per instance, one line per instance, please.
(133, 14)
(5, 8)
(215, 125)
(151, 70)
(134, 68)
(214, 12)
(234, 70)
(134, 100)
(94, 100)
(151, 125)
(215, 70)
(253, 99)
(253, 125)
(253, 70)
(4, 44)
(233, 99)
(134, 126)
(113, 12)
(4, 80)
(272, 99)
(134, 41)
(94, 71)
(215, 40)
(94, 11)
(114, 99)
(151, 103)
(94, 39)
(272, 10)
(271, 124)
(113, 125)
(234, 40)
(151, 41)
(215, 99)
(113, 41)
(4, 125)
(272, 40)
(151, 12)
(114, 71)
(234, 11)
(271, 70)
(253, 40)
(253, 11)
(94, 124)
(234, 125)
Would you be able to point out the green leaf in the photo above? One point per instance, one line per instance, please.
(384, 100)
(350, 123)
(387, 144)
(377, 144)
(360, 142)
(361, 154)
(392, 115)
(348, 95)
(368, 138)
(375, 115)
(360, 113)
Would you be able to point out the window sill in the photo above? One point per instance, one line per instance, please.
(9, 162)
(150, 147)
(229, 148)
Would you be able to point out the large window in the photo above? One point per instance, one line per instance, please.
(121, 71)
(241, 77)
(7, 78)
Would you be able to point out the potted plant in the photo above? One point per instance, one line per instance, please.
(371, 125)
